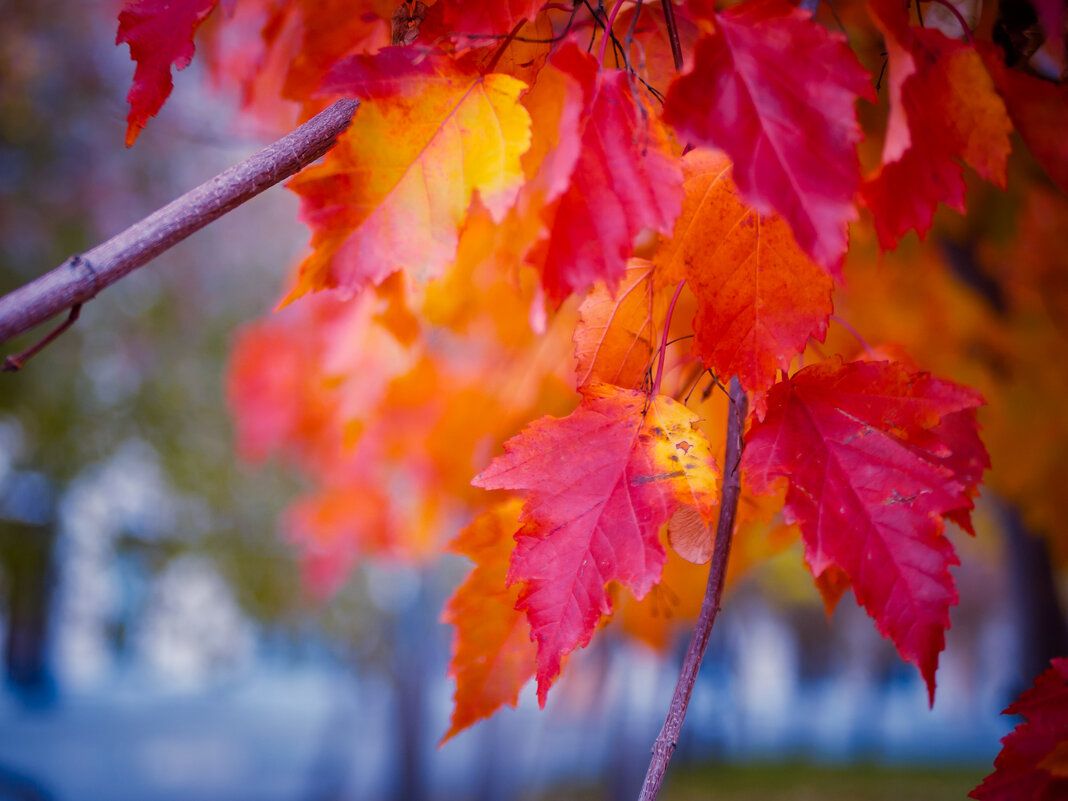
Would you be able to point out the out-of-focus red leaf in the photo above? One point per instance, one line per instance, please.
(600, 483)
(160, 34)
(943, 107)
(487, 17)
(1039, 110)
(332, 528)
(777, 93)
(1033, 763)
(492, 651)
(875, 456)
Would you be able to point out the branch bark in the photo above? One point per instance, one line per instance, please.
(81, 277)
(667, 740)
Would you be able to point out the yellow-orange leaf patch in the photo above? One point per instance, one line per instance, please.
(395, 190)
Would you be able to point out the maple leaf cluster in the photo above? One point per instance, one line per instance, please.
(536, 199)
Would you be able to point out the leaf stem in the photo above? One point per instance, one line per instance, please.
(608, 31)
(504, 45)
(855, 333)
(666, 741)
(664, 336)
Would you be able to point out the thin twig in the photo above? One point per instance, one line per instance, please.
(17, 361)
(668, 738)
(673, 34)
(81, 277)
(664, 338)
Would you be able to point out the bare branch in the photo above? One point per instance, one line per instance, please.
(666, 741)
(81, 277)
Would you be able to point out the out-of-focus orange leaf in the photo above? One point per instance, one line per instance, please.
(492, 651)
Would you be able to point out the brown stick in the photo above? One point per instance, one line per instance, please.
(81, 277)
(666, 741)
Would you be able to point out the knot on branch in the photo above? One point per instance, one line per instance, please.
(84, 271)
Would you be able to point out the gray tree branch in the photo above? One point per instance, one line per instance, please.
(81, 277)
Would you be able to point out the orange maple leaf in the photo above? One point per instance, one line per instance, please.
(759, 297)
(492, 652)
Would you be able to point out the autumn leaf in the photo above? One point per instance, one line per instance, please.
(1039, 111)
(870, 474)
(943, 107)
(487, 17)
(759, 298)
(492, 651)
(332, 529)
(624, 180)
(777, 93)
(160, 34)
(600, 483)
(615, 336)
(395, 190)
(329, 31)
(1033, 763)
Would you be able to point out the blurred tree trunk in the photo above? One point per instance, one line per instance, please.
(1039, 619)
(26, 554)
(411, 637)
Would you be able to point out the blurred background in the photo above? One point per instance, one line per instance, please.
(156, 641)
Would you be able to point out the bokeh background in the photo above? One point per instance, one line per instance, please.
(157, 642)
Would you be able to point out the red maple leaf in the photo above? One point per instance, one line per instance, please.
(160, 33)
(601, 482)
(624, 180)
(777, 92)
(875, 456)
(1033, 763)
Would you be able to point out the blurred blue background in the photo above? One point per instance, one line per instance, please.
(156, 642)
